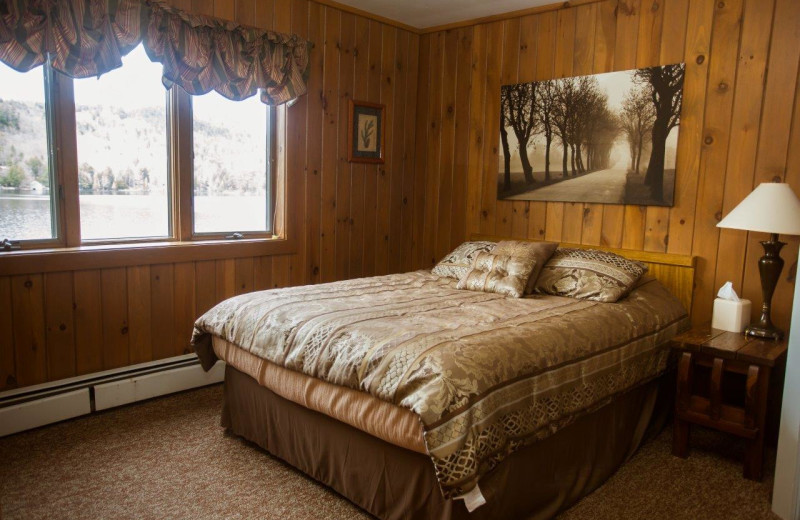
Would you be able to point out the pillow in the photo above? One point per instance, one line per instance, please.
(539, 251)
(589, 274)
(458, 262)
(501, 274)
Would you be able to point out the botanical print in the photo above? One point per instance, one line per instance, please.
(366, 140)
(607, 138)
(367, 133)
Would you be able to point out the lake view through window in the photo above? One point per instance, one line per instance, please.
(26, 199)
(121, 130)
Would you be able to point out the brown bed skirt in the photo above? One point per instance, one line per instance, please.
(392, 482)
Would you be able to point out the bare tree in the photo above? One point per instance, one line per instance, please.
(666, 91)
(545, 103)
(562, 113)
(637, 117)
(604, 132)
(521, 114)
(587, 103)
(599, 132)
(504, 110)
(629, 129)
(574, 122)
(574, 109)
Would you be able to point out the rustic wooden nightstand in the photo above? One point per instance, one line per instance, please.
(723, 383)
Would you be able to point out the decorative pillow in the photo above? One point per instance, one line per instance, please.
(458, 262)
(589, 274)
(539, 251)
(501, 274)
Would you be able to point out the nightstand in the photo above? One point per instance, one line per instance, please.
(723, 383)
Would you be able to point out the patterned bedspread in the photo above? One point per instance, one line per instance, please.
(485, 373)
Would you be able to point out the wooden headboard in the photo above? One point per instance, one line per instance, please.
(675, 272)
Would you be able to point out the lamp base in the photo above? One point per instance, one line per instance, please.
(769, 267)
(765, 333)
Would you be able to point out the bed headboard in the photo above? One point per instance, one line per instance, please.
(675, 272)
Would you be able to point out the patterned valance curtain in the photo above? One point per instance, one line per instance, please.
(85, 38)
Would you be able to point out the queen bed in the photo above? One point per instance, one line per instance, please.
(416, 399)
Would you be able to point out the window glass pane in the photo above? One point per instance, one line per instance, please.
(231, 186)
(123, 176)
(26, 205)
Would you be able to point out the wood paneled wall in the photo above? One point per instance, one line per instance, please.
(351, 220)
(69, 323)
(740, 127)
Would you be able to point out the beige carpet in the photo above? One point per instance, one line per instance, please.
(168, 458)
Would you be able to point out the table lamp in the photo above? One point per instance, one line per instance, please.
(775, 209)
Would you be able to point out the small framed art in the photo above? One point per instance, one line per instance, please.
(365, 141)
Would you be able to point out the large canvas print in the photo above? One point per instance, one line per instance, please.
(607, 138)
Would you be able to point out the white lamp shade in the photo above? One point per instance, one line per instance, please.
(771, 208)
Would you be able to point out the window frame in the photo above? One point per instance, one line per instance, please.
(57, 219)
(68, 245)
(171, 184)
(271, 150)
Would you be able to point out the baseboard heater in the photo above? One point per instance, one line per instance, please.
(34, 406)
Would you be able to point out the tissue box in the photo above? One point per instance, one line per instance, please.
(731, 316)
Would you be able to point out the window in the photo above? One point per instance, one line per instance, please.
(143, 163)
(232, 182)
(121, 132)
(27, 205)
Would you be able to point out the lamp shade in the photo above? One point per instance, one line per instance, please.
(771, 208)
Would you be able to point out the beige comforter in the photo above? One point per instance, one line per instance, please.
(485, 373)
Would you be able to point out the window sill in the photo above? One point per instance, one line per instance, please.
(141, 253)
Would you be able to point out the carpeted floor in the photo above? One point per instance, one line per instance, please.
(169, 458)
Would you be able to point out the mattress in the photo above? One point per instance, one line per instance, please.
(380, 419)
(485, 374)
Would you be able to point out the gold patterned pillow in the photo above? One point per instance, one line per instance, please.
(589, 274)
(501, 274)
(458, 262)
(539, 251)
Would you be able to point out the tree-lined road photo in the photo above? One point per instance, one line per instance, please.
(608, 138)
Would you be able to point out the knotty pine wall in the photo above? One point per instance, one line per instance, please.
(740, 127)
(353, 220)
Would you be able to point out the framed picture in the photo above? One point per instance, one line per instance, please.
(367, 135)
(607, 138)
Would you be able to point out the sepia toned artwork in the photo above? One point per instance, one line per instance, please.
(607, 138)
(366, 138)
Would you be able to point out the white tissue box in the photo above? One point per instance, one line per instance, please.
(731, 316)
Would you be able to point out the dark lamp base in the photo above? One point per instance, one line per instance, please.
(769, 267)
(766, 333)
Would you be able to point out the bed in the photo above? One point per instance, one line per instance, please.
(415, 399)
